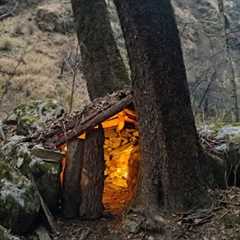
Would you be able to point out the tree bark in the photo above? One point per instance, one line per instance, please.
(71, 188)
(170, 151)
(102, 64)
(92, 176)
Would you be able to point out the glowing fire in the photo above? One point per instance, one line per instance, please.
(121, 153)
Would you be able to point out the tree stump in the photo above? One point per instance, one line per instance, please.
(92, 176)
(72, 173)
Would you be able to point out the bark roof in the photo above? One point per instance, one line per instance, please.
(69, 126)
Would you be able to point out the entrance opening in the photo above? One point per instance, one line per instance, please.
(121, 154)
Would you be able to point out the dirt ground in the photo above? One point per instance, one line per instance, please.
(220, 222)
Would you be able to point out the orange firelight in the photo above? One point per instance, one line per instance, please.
(121, 153)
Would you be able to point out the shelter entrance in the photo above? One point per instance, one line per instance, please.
(121, 154)
(121, 164)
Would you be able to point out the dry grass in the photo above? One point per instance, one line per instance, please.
(37, 76)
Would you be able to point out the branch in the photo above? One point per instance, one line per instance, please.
(10, 12)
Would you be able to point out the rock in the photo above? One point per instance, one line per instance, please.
(5, 234)
(227, 132)
(54, 18)
(18, 154)
(33, 116)
(19, 203)
(46, 168)
(133, 223)
(231, 220)
(47, 176)
(43, 164)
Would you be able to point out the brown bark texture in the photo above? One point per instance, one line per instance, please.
(102, 64)
(170, 151)
(71, 184)
(92, 175)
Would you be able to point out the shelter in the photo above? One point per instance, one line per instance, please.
(101, 149)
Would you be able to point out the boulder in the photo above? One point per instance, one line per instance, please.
(223, 154)
(133, 223)
(46, 167)
(229, 132)
(17, 153)
(54, 18)
(6, 235)
(19, 202)
(33, 116)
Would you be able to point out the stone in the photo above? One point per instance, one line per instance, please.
(19, 202)
(47, 177)
(17, 153)
(228, 132)
(6, 235)
(54, 18)
(133, 223)
(43, 164)
(33, 116)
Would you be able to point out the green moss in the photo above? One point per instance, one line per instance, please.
(231, 220)
(19, 203)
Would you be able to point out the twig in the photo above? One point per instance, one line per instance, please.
(46, 211)
(10, 12)
(75, 67)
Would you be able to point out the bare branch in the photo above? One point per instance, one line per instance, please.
(9, 12)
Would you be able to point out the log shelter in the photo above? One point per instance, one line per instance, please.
(101, 148)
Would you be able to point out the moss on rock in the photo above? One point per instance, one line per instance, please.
(6, 235)
(19, 203)
(46, 175)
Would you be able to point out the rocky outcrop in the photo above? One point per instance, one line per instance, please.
(46, 168)
(6, 235)
(204, 47)
(54, 18)
(19, 203)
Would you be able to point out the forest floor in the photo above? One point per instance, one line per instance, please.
(220, 222)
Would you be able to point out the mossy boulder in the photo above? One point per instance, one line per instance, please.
(17, 153)
(46, 174)
(33, 116)
(54, 18)
(19, 202)
(6, 235)
(43, 164)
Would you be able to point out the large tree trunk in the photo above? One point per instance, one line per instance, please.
(170, 151)
(102, 63)
(92, 176)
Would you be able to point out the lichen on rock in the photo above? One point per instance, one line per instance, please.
(19, 202)
(6, 235)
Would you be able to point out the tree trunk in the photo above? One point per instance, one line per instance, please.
(170, 151)
(102, 64)
(71, 188)
(92, 176)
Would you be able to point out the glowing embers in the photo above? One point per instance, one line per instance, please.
(121, 153)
